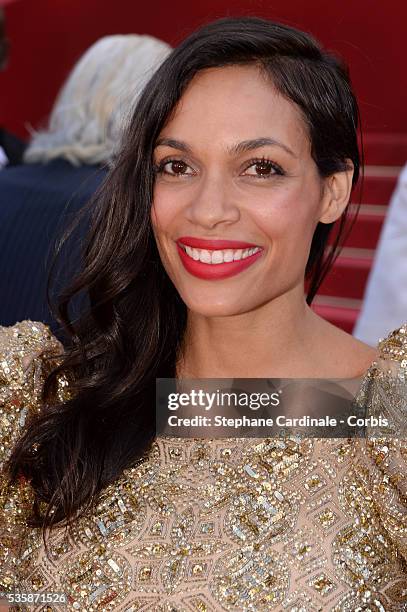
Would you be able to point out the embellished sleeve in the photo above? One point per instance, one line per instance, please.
(384, 394)
(23, 369)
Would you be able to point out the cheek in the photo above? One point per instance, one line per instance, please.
(288, 218)
(289, 223)
(160, 212)
(166, 207)
(159, 224)
(163, 217)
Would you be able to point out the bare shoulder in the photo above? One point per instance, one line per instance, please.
(349, 356)
(360, 355)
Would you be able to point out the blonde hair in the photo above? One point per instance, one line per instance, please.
(89, 113)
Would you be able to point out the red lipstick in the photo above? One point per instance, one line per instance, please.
(213, 245)
(215, 271)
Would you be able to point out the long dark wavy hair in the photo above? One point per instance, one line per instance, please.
(133, 327)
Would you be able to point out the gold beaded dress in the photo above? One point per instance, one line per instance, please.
(205, 525)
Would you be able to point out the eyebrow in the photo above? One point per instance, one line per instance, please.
(240, 147)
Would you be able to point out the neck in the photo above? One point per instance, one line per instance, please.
(275, 339)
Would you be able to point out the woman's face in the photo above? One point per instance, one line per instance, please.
(234, 164)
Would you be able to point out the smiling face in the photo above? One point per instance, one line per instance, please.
(234, 164)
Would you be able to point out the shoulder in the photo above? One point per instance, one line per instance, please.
(22, 342)
(394, 346)
(28, 352)
(383, 395)
(384, 389)
(338, 354)
(389, 369)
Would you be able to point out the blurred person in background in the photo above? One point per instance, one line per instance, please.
(64, 165)
(385, 301)
(11, 147)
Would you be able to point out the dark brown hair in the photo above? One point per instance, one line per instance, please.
(133, 327)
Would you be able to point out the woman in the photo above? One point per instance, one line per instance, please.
(243, 146)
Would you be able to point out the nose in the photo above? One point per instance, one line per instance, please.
(212, 204)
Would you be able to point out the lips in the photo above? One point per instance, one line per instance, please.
(203, 243)
(215, 271)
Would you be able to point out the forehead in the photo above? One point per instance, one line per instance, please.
(235, 103)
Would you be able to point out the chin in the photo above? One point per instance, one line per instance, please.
(213, 311)
(207, 307)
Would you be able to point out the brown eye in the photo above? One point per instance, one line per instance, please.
(177, 167)
(174, 167)
(263, 168)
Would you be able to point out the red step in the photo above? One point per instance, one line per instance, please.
(385, 149)
(366, 230)
(349, 274)
(376, 190)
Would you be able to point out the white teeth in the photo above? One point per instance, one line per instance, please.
(205, 256)
(227, 255)
(217, 257)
